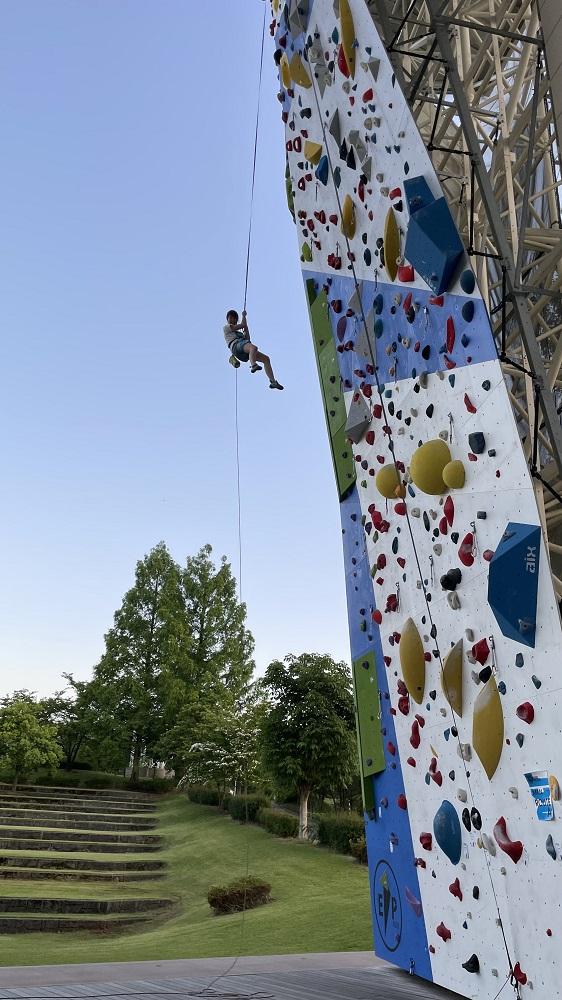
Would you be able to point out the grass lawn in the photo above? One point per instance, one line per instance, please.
(321, 899)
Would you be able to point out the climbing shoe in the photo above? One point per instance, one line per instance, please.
(255, 368)
(275, 384)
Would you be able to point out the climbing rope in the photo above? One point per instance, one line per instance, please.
(380, 391)
(248, 254)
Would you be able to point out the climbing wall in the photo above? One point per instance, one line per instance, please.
(455, 630)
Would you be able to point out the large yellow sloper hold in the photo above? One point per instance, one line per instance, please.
(391, 244)
(285, 72)
(412, 660)
(348, 217)
(427, 464)
(487, 727)
(451, 677)
(348, 35)
(299, 73)
(312, 151)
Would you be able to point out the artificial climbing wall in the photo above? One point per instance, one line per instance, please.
(455, 631)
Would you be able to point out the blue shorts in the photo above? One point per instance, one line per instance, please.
(237, 349)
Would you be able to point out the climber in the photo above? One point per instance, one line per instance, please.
(237, 337)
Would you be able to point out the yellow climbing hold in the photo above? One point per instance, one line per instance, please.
(285, 72)
(391, 241)
(298, 72)
(348, 35)
(312, 151)
(387, 482)
(487, 727)
(275, 6)
(412, 661)
(454, 475)
(306, 253)
(426, 467)
(348, 217)
(451, 677)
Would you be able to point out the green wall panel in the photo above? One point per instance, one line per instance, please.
(367, 711)
(331, 388)
(344, 466)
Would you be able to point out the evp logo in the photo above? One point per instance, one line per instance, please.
(388, 907)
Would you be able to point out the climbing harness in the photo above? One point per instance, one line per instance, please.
(421, 580)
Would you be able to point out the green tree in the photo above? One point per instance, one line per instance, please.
(26, 742)
(308, 728)
(85, 726)
(147, 642)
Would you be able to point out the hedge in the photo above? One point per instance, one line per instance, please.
(339, 830)
(359, 850)
(243, 894)
(279, 823)
(245, 808)
(203, 795)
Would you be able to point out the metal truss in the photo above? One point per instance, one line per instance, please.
(475, 75)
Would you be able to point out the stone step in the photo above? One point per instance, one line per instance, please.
(55, 875)
(123, 847)
(28, 833)
(107, 794)
(26, 818)
(78, 864)
(67, 907)
(86, 806)
(26, 924)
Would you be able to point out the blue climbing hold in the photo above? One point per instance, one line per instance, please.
(447, 830)
(468, 311)
(378, 304)
(468, 281)
(323, 170)
(433, 244)
(513, 582)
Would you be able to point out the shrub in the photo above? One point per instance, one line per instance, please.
(359, 849)
(243, 894)
(203, 795)
(245, 808)
(338, 830)
(279, 823)
(154, 786)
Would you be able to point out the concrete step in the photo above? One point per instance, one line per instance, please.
(67, 907)
(106, 794)
(26, 924)
(30, 844)
(66, 875)
(55, 821)
(73, 805)
(29, 833)
(79, 864)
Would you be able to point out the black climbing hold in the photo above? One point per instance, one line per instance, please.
(481, 515)
(468, 281)
(520, 739)
(550, 847)
(486, 384)
(477, 442)
(426, 523)
(536, 681)
(476, 818)
(454, 537)
(472, 964)
(343, 150)
(367, 257)
(426, 352)
(430, 409)
(466, 819)
(452, 775)
(433, 695)
(476, 892)
(451, 579)
(519, 660)
(485, 674)
(433, 631)
(468, 311)
(501, 687)
(394, 545)
(454, 731)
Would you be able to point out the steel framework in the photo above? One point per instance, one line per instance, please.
(476, 77)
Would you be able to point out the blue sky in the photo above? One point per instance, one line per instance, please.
(127, 133)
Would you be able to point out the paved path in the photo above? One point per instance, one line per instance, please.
(340, 976)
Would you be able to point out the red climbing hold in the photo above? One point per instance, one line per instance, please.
(469, 404)
(405, 272)
(402, 802)
(415, 739)
(391, 748)
(449, 364)
(526, 712)
(436, 300)
(400, 508)
(368, 96)
(395, 193)
(455, 889)
(404, 704)
(426, 840)
(342, 62)
(411, 761)
(370, 437)
(334, 219)
(381, 558)
(465, 550)
(481, 651)
(392, 599)
(443, 932)
(433, 765)
(420, 863)
(407, 302)
(437, 778)
(420, 719)
(377, 617)
(449, 511)
(377, 411)
(401, 561)
(514, 848)
(518, 974)
(443, 526)
(450, 341)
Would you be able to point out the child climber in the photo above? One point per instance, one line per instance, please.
(237, 336)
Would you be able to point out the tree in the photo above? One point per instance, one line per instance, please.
(85, 728)
(26, 742)
(148, 640)
(308, 729)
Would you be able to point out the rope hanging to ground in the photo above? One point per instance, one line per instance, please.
(248, 254)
